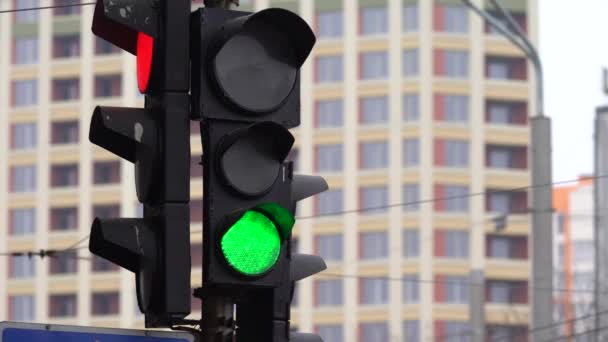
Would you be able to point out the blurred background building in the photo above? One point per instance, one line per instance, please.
(574, 257)
(402, 101)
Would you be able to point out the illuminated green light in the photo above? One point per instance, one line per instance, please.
(252, 245)
(281, 216)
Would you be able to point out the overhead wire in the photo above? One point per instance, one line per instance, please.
(14, 10)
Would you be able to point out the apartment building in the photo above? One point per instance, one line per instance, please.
(402, 101)
(573, 252)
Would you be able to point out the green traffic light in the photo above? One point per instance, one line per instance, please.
(252, 245)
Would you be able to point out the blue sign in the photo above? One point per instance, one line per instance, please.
(21, 332)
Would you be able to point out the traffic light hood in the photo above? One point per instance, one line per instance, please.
(250, 158)
(295, 30)
(120, 21)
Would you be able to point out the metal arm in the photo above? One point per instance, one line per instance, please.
(532, 53)
(515, 35)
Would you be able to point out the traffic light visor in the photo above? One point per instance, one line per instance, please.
(276, 43)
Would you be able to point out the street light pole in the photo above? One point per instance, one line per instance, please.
(542, 202)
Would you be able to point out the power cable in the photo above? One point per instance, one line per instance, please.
(433, 281)
(45, 7)
(447, 198)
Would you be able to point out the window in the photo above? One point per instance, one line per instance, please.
(328, 157)
(374, 245)
(374, 291)
(66, 46)
(506, 113)
(26, 50)
(374, 332)
(66, 7)
(506, 68)
(451, 63)
(411, 288)
(374, 199)
(23, 178)
(196, 167)
(330, 24)
(64, 132)
(106, 172)
(63, 305)
(23, 136)
(103, 47)
(411, 152)
(26, 16)
(64, 175)
(25, 92)
(99, 265)
(104, 211)
(583, 251)
(409, 18)
(22, 266)
(64, 263)
(411, 243)
(329, 69)
(329, 247)
(328, 292)
(374, 20)
(196, 254)
(374, 65)
(451, 108)
(329, 202)
(411, 196)
(105, 303)
(411, 331)
(108, 85)
(456, 198)
(331, 333)
(409, 62)
(294, 156)
(450, 18)
(64, 219)
(66, 89)
(374, 110)
(196, 210)
(22, 308)
(451, 289)
(329, 113)
(507, 333)
(374, 155)
(503, 202)
(22, 221)
(506, 157)
(507, 292)
(410, 107)
(452, 244)
(519, 17)
(457, 331)
(451, 153)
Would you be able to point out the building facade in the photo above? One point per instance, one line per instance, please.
(402, 101)
(574, 257)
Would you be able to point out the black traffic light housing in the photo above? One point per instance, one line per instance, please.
(241, 70)
(246, 92)
(156, 139)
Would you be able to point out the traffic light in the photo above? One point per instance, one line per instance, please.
(156, 140)
(246, 92)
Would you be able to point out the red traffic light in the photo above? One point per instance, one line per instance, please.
(145, 53)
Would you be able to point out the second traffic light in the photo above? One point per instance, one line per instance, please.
(246, 91)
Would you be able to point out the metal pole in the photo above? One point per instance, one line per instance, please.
(476, 306)
(542, 234)
(542, 200)
(600, 192)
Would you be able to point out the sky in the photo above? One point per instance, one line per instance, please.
(573, 48)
